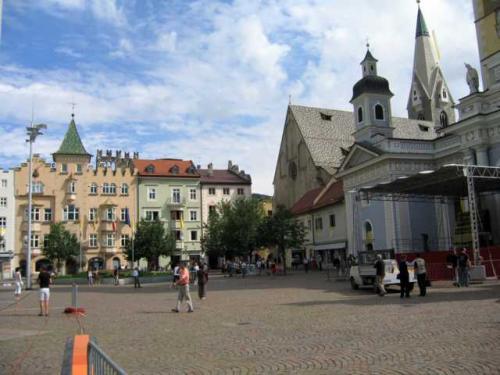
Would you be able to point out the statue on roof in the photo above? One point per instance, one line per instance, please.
(472, 79)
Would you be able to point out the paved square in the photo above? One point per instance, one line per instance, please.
(294, 324)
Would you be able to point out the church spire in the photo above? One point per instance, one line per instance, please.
(72, 144)
(421, 25)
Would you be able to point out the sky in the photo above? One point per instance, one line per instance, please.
(205, 80)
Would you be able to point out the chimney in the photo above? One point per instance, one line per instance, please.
(229, 165)
(210, 169)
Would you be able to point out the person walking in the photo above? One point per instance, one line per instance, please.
(319, 261)
(116, 276)
(452, 263)
(380, 274)
(202, 276)
(44, 281)
(421, 271)
(19, 283)
(90, 277)
(463, 268)
(404, 278)
(196, 268)
(135, 274)
(183, 284)
(306, 264)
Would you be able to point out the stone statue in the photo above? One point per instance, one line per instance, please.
(472, 79)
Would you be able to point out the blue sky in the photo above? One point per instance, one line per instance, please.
(204, 80)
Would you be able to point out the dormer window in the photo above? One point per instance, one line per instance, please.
(191, 170)
(150, 168)
(360, 114)
(174, 169)
(379, 112)
(325, 117)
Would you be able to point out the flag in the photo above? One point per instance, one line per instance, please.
(127, 218)
(182, 220)
(113, 224)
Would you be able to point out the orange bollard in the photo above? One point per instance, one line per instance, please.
(79, 365)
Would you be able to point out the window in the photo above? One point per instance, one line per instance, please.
(192, 194)
(46, 241)
(325, 117)
(193, 215)
(112, 189)
(318, 223)
(71, 213)
(420, 116)
(176, 215)
(37, 188)
(3, 202)
(124, 189)
(124, 240)
(79, 168)
(110, 214)
(176, 195)
(194, 235)
(379, 112)
(35, 214)
(177, 235)
(106, 189)
(47, 214)
(225, 191)
(152, 215)
(241, 191)
(92, 240)
(211, 191)
(4, 183)
(64, 168)
(3, 222)
(151, 193)
(35, 241)
(443, 119)
(93, 214)
(444, 94)
(150, 168)
(212, 210)
(110, 240)
(332, 220)
(124, 215)
(72, 187)
(360, 114)
(93, 189)
(174, 169)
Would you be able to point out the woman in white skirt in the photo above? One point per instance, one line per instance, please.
(19, 282)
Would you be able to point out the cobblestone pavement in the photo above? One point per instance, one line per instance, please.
(294, 324)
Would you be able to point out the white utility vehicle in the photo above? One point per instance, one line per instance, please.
(362, 273)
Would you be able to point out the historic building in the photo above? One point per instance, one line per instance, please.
(169, 191)
(7, 223)
(219, 185)
(97, 203)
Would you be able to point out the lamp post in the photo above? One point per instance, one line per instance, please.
(32, 131)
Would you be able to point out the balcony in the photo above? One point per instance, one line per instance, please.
(70, 197)
(107, 226)
(36, 226)
(176, 202)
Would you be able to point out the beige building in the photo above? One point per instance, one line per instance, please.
(96, 203)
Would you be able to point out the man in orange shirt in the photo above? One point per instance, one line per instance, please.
(183, 283)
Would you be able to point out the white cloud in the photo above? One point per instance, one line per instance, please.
(68, 52)
(166, 42)
(125, 48)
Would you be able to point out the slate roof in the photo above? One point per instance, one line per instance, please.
(165, 168)
(72, 143)
(422, 29)
(371, 84)
(223, 176)
(326, 138)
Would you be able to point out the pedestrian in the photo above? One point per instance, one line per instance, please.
(421, 271)
(176, 273)
(319, 260)
(116, 276)
(243, 269)
(404, 278)
(202, 276)
(196, 268)
(452, 263)
(306, 264)
(183, 284)
(258, 265)
(90, 277)
(135, 274)
(273, 268)
(19, 282)
(44, 281)
(380, 274)
(463, 268)
(336, 265)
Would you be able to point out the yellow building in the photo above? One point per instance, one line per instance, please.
(96, 203)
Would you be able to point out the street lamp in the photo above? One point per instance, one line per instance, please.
(32, 131)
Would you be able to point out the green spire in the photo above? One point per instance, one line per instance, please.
(72, 144)
(421, 26)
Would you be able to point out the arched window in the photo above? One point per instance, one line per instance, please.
(360, 114)
(443, 119)
(379, 112)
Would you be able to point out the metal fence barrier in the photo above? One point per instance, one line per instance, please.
(99, 363)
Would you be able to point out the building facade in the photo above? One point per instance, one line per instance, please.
(169, 191)
(7, 224)
(95, 203)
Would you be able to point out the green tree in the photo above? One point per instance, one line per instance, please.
(61, 245)
(283, 231)
(151, 241)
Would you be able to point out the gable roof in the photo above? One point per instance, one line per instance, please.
(72, 143)
(165, 168)
(326, 138)
(306, 202)
(332, 193)
(224, 176)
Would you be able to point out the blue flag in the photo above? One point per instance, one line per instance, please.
(127, 217)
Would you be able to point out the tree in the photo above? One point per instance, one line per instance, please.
(283, 231)
(151, 241)
(61, 245)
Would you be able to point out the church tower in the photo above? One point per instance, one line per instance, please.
(371, 99)
(71, 150)
(429, 99)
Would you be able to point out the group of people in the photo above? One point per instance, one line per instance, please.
(182, 281)
(460, 264)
